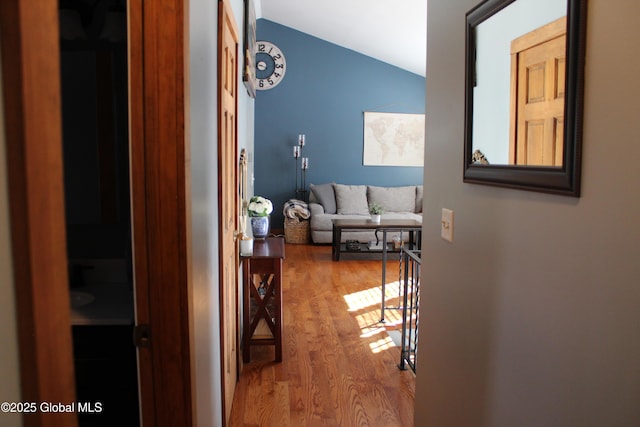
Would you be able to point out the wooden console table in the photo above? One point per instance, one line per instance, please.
(262, 300)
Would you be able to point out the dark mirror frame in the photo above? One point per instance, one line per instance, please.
(558, 180)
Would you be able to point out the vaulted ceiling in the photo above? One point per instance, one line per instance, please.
(391, 31)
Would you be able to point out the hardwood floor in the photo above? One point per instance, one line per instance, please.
(339, 368)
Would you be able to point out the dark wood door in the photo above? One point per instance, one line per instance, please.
(31, 85)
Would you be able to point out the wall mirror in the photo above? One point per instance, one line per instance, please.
(524, 94)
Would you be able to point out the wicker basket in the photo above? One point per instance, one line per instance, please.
(296, 231)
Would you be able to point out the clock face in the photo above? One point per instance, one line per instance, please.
(270, 65)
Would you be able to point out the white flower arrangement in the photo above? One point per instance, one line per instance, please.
(259, 206)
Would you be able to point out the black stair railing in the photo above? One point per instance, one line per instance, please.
(410, 316)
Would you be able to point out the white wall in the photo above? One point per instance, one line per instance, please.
(203, 21)
(530, 317)
(9, 358)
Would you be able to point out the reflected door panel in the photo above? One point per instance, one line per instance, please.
(537, 91)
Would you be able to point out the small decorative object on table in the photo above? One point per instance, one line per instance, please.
(375, 210)
(246, 241)
(246, 246)
(259, 209)
(352, 245)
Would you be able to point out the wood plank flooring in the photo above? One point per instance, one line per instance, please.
(339, 368)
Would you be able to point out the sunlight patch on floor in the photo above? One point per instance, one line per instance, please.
(368, 303)
(374, 332)
(371, 331)
(371, 297)
(369, 319)
(382, 344)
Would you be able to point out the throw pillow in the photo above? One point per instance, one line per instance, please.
(394, 199)
(351, 199)
(326, 196)
(419, 193)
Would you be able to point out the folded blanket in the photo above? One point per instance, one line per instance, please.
(295, 208)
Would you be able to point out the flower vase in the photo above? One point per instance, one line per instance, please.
(260, 227)
(375, 218)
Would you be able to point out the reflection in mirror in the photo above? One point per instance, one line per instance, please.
(524, 90)
(501, 130)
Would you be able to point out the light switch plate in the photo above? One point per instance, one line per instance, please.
(446, 225)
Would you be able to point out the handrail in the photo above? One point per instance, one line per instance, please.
(410, 315)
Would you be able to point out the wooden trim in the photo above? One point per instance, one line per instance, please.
(138, 203)
(159, 191)
(31, 86)
(513, 108)
(552, 30)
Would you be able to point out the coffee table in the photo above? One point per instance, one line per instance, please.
(340, 225)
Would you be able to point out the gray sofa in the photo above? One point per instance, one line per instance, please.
(330, 201)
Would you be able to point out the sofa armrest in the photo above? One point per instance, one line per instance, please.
(316, 209)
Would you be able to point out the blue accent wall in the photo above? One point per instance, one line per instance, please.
(324, 95)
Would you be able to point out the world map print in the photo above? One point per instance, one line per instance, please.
(393, 139)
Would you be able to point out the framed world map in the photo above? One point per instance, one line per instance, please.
(393, 139)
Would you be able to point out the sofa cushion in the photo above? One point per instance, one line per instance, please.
(351, 199)
(419, 193)
(393, 199)
(326, 196)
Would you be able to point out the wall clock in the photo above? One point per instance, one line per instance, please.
(270, 65)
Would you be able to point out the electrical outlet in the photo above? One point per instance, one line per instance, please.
(446, 225)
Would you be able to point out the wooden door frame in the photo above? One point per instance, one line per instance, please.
(159, 164)
(158, 88)
(31, 87)
(227, 20)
